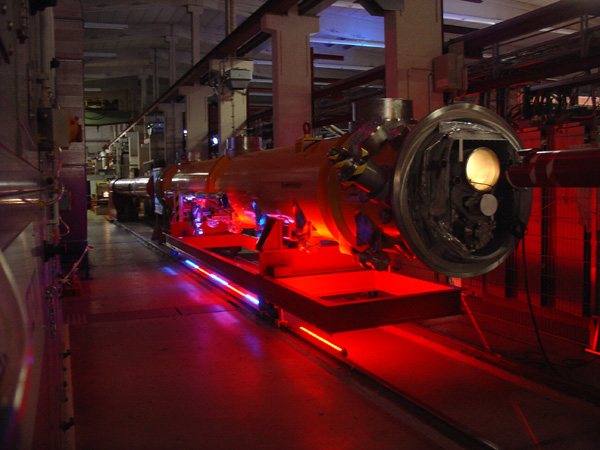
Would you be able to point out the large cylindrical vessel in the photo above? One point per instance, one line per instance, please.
(295, 184)
(134, 187)
(387, 190)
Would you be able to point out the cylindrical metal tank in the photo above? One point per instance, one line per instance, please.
(280, 182)
(276, 183)
(134, 187)
(442, 193)
(570, 168)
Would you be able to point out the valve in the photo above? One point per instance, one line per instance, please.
(355, 167)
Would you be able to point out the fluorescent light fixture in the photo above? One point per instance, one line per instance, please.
(246, 295)
(268, 81)
(218, 279)
(342, 67)
(262, 62)
(471, 19)
(99, 54)
(564, 31)
(192, 264)
(252, 298)
(92, 89)
(105, 26)
(346, 4)
(349, 42)
(324, 341)
(262, 80)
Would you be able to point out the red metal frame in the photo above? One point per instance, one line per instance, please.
(323, 288)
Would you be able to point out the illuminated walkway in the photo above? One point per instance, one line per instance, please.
(163, 361)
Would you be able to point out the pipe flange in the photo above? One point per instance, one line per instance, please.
(428, 199)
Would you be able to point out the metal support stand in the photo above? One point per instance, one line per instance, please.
(271, 312)
(594, 336)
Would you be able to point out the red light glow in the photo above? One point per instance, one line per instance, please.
(222, 281)
(324, 341)
(237, 291)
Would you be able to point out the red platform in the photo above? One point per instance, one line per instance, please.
(325, 288)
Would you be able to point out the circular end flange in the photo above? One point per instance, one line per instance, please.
(442, 215)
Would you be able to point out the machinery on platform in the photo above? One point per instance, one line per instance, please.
(291, 223)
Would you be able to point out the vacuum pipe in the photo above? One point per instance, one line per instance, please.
(558, 168)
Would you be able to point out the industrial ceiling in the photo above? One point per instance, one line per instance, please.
(126, 41)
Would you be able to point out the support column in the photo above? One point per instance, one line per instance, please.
(413, 37)
(68, 45)
(292, 80)
(155, 81)
(196, 115)
(143, 91)
(233, 108)
(230, 14)
(173, 133)
(196, 12)
(172, 41)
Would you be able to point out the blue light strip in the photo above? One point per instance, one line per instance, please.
(218, 279)
(192, 264)
(224, 282)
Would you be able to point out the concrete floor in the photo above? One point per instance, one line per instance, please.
(505, 409)
(162, 361)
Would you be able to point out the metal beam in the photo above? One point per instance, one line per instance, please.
(571, 82)
(434, 301)
(257, 40)
(313, 7)
(530, 22)
(455, 29)
(337, 87)
(534, 72)
(372, 7)
(104, 6)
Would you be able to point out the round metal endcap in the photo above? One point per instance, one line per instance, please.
(488, 205)
(428, 200)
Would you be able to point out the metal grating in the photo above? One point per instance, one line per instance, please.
(560, 251)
